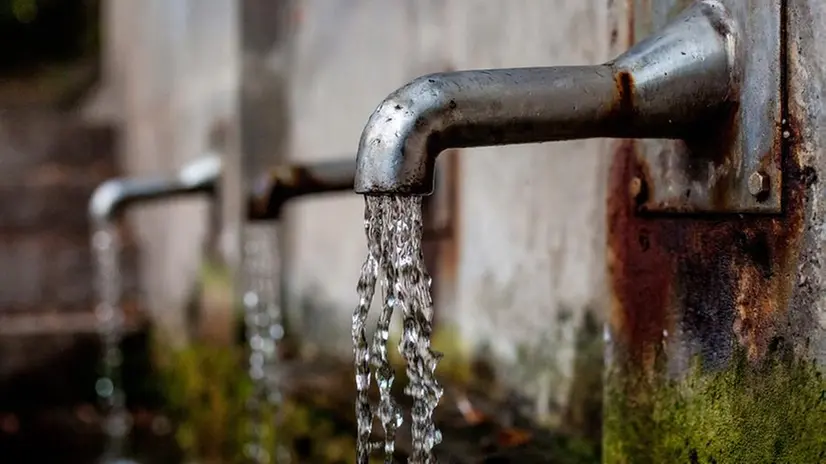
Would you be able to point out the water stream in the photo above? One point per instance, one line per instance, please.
(393, 227)
(265, 329)
(110, 320)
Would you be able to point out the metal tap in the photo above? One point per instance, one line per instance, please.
(285, 182)
(667, 86)
(111, 198)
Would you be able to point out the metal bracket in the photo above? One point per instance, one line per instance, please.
(736, 169)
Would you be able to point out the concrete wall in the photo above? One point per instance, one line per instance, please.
(171, 78)
(530, 219)
(349, 55)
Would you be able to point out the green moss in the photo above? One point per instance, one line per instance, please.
(770, 412)
(206, 389)
(216, 274)
(583, 414)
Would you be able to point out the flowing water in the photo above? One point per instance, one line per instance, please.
(110, 320)
(264, 327)
(394, 231)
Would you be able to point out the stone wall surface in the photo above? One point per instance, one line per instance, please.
(173, 73)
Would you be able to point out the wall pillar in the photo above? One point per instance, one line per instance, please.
(716, 333)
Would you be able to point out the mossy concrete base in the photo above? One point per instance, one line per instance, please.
(773, 411)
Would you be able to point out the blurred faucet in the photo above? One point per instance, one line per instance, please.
(113, 196)
(664, 87)
(285, 182)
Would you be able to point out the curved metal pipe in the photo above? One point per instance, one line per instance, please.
(662, 88)
(112, 197)
(286, 182)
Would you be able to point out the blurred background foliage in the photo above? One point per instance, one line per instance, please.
(34, 33)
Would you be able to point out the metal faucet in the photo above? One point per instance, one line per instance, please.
(667, 86)
(111, 198)
(285, 182)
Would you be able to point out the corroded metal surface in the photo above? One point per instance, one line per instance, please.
(708, 171)
(713, 278)
(701, 283)
(705, 309)
(283, 183)
(716, 336)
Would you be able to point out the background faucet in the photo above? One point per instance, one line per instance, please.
(667, 86)
(113, 196)
(287, 181)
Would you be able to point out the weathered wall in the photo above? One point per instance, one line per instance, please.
(531, 246)
(348, 55)
(530, 219)
(716, 335)
(172, 75)
(807, 85)
(263, 124)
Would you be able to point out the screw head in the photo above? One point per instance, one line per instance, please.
(759, 184)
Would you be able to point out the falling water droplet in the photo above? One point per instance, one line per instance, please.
(104, 387)
(110, 320)
(394, 228)
(361, 348)
(264, 327)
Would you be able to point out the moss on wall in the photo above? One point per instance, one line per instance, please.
(770, 412)
(206, 388)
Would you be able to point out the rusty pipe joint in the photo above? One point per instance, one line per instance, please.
(112, 197)
(664, 87)
(285, 182)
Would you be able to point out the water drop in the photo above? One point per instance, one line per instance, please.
(110, 320)
(264, 331)
(104, 387)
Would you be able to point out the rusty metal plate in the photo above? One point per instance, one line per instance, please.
(738, 168)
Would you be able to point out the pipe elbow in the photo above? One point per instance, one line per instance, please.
(664, 87)
(398, 147)
(271, 191)
(112, 196)
(107, 200)
(201, 175)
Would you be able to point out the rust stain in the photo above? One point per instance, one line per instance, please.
(640, 268)
(722, 278)
(260, 196)
(268, 193)
(624, 82)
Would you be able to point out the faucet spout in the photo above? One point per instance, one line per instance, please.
(664, 87)
(112, 197)
(286, 182)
